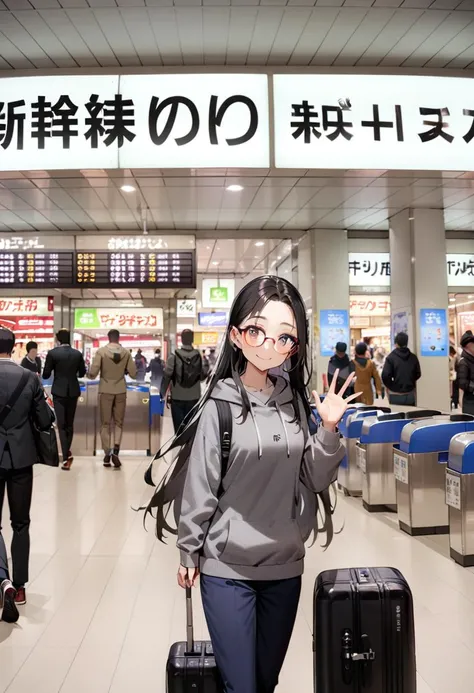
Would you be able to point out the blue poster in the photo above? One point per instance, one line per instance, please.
(434, 339)
(216, 319)
(334, 327)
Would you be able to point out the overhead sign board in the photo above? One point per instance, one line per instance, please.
(186, 308)
(134, 121)
(373, 122)
(218, 293)
(369, 269)
(131, 319)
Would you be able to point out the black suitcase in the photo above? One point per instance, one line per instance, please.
(364, 634)
(191, 667)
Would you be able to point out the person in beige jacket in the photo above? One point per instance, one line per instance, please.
(112, 362)
(366, 371)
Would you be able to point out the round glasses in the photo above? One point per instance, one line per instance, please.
(255, 337)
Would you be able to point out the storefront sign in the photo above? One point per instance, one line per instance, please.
(433, 332)
(466, 321)
(134, 121)
(136, 319)
(28, 325)
(460, 270)
(218, 293)
(369, 269)
(363, 306)
(217, 319)
(373, 122)
(206, 338)
(334, 327)
(186, 308)
(27, 306)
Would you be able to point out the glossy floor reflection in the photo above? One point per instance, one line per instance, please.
(104, 606)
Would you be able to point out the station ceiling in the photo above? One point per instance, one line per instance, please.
(48, 34)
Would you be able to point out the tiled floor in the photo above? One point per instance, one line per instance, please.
(104, 606)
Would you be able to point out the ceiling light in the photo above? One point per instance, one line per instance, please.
(411, 218)
(471, 296)
(234, 188)
(259, 244)
(452, 300)
(127, 188)
(279, 257)
(215, 263)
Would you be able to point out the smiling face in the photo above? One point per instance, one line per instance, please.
(277, 322)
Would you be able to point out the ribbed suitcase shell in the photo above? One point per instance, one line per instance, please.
(192, 673)
(364, 635)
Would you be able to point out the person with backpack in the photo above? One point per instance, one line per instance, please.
(184, 373)
(341, 363)
(112, 362)
(157, 369)
(401, 372)
(251, 471)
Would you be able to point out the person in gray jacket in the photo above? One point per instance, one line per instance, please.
(244, 532)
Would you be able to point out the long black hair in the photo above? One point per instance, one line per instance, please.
(232, 363)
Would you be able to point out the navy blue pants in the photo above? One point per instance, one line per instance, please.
(250, 623)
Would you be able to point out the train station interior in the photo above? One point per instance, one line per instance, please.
(156, 156)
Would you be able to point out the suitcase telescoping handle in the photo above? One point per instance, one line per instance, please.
(189, 621)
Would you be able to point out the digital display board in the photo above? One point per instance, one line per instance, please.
(38, 269)
(136, 269)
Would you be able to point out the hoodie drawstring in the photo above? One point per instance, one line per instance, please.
(260, 451)
(277, 407)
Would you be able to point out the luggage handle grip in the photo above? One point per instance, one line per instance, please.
(189, 621)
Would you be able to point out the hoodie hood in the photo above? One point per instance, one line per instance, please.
(402, 353)
(116, 352)
(361, 361)
(340, 361)
(281, 396)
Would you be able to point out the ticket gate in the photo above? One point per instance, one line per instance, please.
(85, 421)
(375, 457)
(419, 467)
(460, 498)
(349, 476)
(136, 429)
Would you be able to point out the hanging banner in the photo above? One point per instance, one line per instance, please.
(369, 269)
(216, 319)
(186, 308)
(334, 328)
(373, 122)
(132, 319)
(460, 269)
(434, 338)
(134, 121)
(218, 293)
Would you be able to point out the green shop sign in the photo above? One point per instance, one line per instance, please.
(87, 318)
(219, 294)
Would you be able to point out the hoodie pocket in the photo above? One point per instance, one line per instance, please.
(255, 544)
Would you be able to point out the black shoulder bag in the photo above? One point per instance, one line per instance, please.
(7, 408)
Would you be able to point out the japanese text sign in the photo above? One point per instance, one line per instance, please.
(376, 306)
(373, 122)
(334, 328)
(186, 308)
(433, 332)
(216, 319)
(134, 121)
(218, 293)
(369, 269)
(43, 305)
(131, 319)
(460, 270)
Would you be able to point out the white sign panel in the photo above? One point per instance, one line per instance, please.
(400, 468)
(369, 269)
(134, 121)
(42, 305)
(218, 293)
(460, 270)
(453, 491)
(373, 122)
(186, 308)
(373, 306)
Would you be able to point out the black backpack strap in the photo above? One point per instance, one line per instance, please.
(14, 396)
(224, 414)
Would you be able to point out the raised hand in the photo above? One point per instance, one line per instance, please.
(333, 406)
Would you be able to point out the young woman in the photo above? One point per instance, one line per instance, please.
(243, 533)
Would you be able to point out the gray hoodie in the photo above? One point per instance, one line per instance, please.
(251, 532)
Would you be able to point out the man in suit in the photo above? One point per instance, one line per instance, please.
(17, 457)
(67, 364)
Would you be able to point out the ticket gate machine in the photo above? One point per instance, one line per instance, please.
(460, 498)
(375, 457)
(419, 467)
(349, 476)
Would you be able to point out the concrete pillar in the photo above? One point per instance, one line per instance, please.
(62, 313)
(329, 287)
(419, 281)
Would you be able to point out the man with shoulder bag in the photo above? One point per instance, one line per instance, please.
(184, 372)
(23, 407)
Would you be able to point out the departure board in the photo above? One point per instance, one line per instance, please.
(38, 269)
(136, 269)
